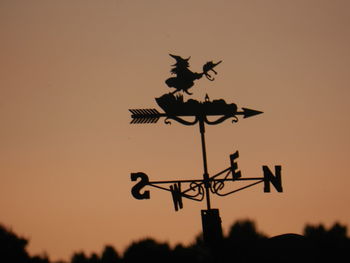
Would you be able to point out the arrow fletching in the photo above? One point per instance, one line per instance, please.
(140, 116)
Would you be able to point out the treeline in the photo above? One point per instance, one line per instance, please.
(244, 243)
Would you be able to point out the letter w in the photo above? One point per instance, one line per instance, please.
(177, 198)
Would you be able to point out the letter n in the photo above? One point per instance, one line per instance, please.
(269, 177)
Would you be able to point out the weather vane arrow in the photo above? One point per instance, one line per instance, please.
(143, 116)
(175, 108)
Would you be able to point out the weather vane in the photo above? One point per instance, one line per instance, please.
(175, 108)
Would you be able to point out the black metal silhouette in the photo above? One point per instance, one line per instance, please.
(185, 78)
(175, 108)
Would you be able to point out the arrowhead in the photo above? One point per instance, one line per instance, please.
(249, 112)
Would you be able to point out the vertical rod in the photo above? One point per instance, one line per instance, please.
(205, 164)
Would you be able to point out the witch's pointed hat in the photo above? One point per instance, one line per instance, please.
(179, 59)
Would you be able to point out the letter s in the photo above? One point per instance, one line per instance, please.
(135, 191)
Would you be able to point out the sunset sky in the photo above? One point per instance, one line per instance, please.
(71, 69)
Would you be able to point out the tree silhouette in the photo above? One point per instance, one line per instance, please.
(242, 239)
(244, 243)
(244, 231)
(330, 245)
(79, 257)
(12, 247)
(147, 250)
(110, 255)
(185, 254)
(94, 258)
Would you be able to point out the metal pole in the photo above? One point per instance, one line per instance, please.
(211, 221)
(205, 164)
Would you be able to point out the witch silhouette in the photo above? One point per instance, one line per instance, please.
(185, 78)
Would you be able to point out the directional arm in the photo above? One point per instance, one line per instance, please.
(144, 116)
(195, 189)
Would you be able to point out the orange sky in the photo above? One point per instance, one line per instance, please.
(70, 70)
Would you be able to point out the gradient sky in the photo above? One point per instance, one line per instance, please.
(70, 70)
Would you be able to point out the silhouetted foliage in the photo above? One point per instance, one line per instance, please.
(288, 248)
(243, 237)
(109, 255)
(330, 245)
(244, 243)
(13, 249)
(79, 258)
(40, 259)
(94, 258)
(147, 250)
(184, 254)
(244, 231)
